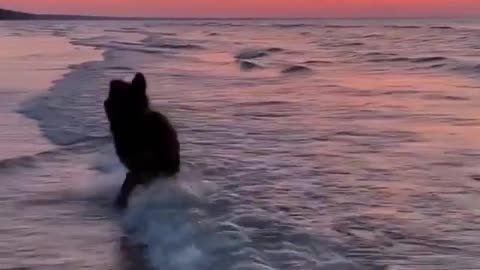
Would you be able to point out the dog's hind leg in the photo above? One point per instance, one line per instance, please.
(128, 186)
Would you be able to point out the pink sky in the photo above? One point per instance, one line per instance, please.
(251, 8)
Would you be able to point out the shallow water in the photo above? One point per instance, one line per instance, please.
(307, 145)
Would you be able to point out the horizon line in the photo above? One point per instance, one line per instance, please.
(132, 17)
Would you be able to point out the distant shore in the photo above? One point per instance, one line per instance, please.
(6, 14)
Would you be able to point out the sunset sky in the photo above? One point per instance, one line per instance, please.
(252, 8)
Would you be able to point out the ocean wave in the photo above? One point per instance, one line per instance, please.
(72, 112)
(64, 119)
(350, 44)
(436, 66)
(292, 25)
(96, 41)
(187, 223)
(314, 62)
(170, 221)
(429, 62)
(184, 223)
(251, 54)
(30, 161)
(394, 59)
(403, 26)
(219, 24)
(23, 161)
(109, 43)
(375, 35)
(135, 49)
(380, 54)
(444, 97)
(263, 103)
(125, 30)
(441, 27)
(274, 49)
(170, 43)
(126, 43)
(59, 33)
(345, 43)
(249, 65)
(296, 69)
(163, 219)
(120, 68)
(470, 68)
(427, 59)
(343, 26)
(175, 46)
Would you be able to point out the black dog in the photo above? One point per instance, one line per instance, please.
(145, 141)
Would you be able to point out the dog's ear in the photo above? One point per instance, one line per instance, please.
(139, 83)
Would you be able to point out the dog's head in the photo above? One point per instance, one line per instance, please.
(126, 99)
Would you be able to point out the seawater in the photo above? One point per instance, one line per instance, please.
(307, 144)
